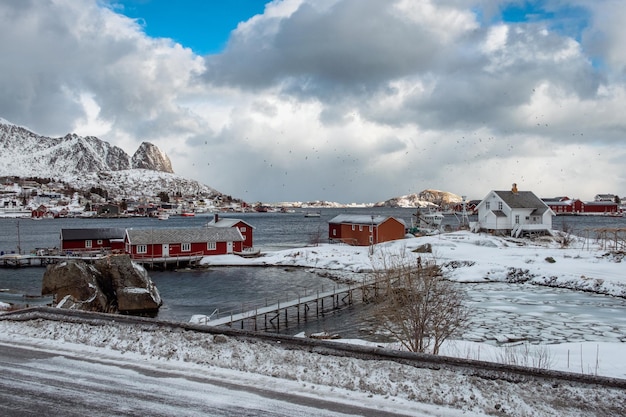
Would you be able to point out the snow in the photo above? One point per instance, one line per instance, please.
(382, 385)
(467, 257)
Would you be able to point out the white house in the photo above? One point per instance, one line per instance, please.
(513, 212)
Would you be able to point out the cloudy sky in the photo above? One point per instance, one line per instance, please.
(338, 100)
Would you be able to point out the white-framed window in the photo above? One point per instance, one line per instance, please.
(488, 205)
(334, 232)
(353, 227)
(211, 245)
(371, 229)
(242, 229)
(360, 228)
(517, 219)
(500, 205)
(142, 248)
(88, 243)
(185, 247)
(99, 241)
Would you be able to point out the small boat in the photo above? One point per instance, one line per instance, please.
(248, 252)
(188, 214)
(312, 214)
(163, 216)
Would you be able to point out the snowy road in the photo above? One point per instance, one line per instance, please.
(39, 381)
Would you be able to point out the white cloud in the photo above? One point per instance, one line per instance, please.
(345, 100)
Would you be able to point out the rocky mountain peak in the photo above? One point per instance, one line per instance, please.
(149, 156)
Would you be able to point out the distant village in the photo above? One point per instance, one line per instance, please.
(39, 198)
(515, 213)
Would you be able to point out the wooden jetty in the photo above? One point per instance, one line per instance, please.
(303, 308)
(18, 261)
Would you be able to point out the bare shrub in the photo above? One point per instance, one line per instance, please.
(417, 306)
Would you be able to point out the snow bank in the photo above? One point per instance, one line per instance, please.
(392, 385)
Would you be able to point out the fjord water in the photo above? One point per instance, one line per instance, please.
(502, 308)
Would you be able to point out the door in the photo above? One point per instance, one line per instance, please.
(229, 247)
(166, 250)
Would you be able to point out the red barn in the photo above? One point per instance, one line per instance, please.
(173, 243)
(599, 207)
(246, 230)
(364, 230)
(87, 240)
(565, 206)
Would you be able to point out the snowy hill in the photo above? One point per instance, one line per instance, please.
(85, 162)
(425, 198)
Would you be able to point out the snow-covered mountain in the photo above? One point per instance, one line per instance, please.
(423, 199)
(85, 162)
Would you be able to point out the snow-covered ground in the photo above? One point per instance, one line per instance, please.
(583, 265)
(467, 257)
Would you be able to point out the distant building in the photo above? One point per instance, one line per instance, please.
(364, 230)
(87, 240)
(171, 243)
(513, 212)
(246, 230)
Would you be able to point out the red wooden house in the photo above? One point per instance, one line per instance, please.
(576, 206)
(246, 230)
(88, 240)
(181, 243)
(364, 230)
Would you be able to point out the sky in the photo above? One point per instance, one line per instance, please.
(337, 100)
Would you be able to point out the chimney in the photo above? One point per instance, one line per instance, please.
(514, 189)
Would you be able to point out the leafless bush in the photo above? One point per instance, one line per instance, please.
(418, 306)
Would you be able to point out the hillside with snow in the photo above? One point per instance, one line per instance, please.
(85, 162)
(426, 198)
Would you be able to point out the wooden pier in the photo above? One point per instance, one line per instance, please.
(19, 261)
(272, 317)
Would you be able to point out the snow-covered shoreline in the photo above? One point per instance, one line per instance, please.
(582, 265)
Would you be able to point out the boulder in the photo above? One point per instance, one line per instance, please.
(112, 284)
(75, 280)
(134, 290)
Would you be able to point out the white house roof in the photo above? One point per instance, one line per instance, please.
(362, 219)
(183, 235)
(523, 199)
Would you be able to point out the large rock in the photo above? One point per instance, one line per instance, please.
(112, 284)
(134, 290)
(75, 282)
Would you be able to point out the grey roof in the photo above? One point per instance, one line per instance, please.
(226, 222)
(183, 235)
(94, 233)
(523, 199)
(499, 213)
(362, 219)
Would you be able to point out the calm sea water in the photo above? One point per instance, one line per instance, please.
(190, 292)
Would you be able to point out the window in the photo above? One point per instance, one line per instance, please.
(142, 248)
(371, 229)
(334, 232)
(488, 205)
(88, 243)
(353, 228)
(186, 247)
(517, 219)
(242, 229)
(99, 241)
(211, 246)
(500, 205)
(360, 228)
